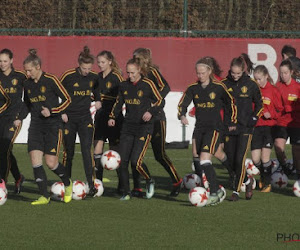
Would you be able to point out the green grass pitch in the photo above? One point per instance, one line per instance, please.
(158, 223)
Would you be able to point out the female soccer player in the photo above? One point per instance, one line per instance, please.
(262, 141)
(12, 81)
(4, 103)
(142, 101)
(109, 80)
(42, 93)
(209, 97)
(237, 142)
(158, 140)
(80, 84)
(288, 125)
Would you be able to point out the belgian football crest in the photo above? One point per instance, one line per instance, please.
(140, 93)
(91, 84)
(14, 82)
(212, 95)
(244, 89)
(108, 85)
(43, 89)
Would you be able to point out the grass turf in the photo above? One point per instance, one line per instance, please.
(160, 223)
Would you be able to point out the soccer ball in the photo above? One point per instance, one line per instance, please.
(279, 180)
(198, 196)
(224, 196)
(243, 187)
(3, 196)
(57, 191)
(110, 160)
(78, 190)
(275, 165)
(296, 188)
(191, 181)
(99, 186)
(251, 168)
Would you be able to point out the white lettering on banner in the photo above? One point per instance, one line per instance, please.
(255, 49)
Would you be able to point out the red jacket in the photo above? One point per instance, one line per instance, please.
(272, 101)
(291, 102)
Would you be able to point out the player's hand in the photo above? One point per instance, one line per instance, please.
(65, 118)
(111, 122)
(17, 123)
(147, 116)
(232, 128)
(98, 105)
(267, 115)
(184, 120)
(45, 112)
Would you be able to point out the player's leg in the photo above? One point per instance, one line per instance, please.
(125, 151)
(69, 139)
(158, 142)
(230, 147)
(86, 135)
(294, 134)
(141, 143)
(52, 143)
(256, 152)
(244, 143)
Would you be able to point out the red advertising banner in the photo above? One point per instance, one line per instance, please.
(176, 57)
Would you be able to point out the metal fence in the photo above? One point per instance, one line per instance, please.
(177, 18)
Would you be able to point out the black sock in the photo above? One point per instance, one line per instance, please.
(225, 163)
(198, 167)
(41, 180)
(211, 177)
(60, 171)
(98, 166)
(267, 172)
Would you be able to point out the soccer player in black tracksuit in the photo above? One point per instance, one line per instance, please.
(80, 84)
(209, 97)
(158, 140)
(4, 103)
(12, 82)
(109, 80)
(246, 93)
(42, 92)
(142, 100)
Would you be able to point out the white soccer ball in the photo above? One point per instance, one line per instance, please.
(87, 188)
(111, 160)
(279, 180)
(243, 187)
(57, 191)
(99, 186)
(198, 196)
(275, 165)
(251, 168)
(224, 195)
(3, 196)
(78, 190)
(191, 181)
(296, 188)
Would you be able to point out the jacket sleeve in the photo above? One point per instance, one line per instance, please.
(161, 83)
(63, 94)
(6, 100)
(257, 101)
(229, 106)
(278, 105)
(156, 96)
(184, 102)
(117, 108)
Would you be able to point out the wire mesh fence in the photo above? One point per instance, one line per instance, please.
(179, 18)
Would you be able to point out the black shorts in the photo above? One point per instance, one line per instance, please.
(46, 137)
(104, 132)
(294, 134)
(262, 138)
(206, 140)
(279, 132)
